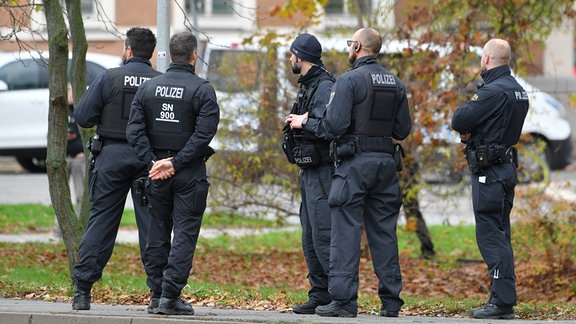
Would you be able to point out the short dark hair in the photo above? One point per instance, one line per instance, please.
(142, 42)
(182, 45)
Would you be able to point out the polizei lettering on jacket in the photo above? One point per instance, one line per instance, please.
(521, 95)
(169, 92)
(382, 79)
(134, 80)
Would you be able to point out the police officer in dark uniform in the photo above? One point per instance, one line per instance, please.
(490, 124)
(367, 110)
(173, 119)
(115, 167)
(310, 151)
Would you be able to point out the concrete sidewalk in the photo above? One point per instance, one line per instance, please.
(40, 312)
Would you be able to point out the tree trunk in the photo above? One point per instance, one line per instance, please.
(57, 130)
(414, 219)
(78, 81)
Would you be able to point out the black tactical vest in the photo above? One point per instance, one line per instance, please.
(375, 115)
(115, 113)
(171, 113)
(303, 101)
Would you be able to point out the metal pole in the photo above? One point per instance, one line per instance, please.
(163, 37)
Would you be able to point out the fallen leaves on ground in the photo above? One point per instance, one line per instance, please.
(286, 271)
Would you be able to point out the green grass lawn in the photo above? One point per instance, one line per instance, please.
(20, 218)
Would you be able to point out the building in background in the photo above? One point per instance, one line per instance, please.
(106, 21)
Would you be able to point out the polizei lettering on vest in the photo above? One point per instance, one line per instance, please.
(169, 92)
(134, 81)
(383, 79)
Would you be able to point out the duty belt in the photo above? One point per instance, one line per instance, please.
(348, 146)
(369, 143)
(162, 154)
(109, 140)
(481, 157)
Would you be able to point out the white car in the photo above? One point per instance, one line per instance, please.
(24, 102)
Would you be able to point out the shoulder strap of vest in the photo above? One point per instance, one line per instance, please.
(311, 90)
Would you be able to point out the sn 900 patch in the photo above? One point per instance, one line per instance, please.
(167, 115)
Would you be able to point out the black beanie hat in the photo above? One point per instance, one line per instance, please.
(306, 47)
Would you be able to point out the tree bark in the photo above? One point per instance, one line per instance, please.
(414, 218)
(57, 130)
(78, 82)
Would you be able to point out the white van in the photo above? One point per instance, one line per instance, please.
(24, 103)
(229, 64)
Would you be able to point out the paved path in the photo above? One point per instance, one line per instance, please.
(41, 312)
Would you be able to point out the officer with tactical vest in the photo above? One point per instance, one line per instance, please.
(367, 110)
(114, 164)
(308, 146)
(173, 119)
(490, 124)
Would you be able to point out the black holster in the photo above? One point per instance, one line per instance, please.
(141, 189)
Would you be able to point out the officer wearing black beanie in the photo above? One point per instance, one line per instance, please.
(307, 48)
(311, 153)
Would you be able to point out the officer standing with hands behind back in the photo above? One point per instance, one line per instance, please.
(115, 167)
(311, 153)
(173, 119)
(490, 124)
(368, 108)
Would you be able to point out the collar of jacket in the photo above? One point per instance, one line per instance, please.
(136, 59)
(495, 73)
(182, 66)
(363, 61)
(311, 75)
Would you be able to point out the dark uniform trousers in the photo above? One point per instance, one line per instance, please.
(115, 170)
(178, 203)
(315, 220)
(492, 199)
(365, 190)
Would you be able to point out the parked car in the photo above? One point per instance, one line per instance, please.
(24, 102)
(235, 70)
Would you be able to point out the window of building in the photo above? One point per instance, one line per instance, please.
(211, 7)
(348, 8)
(335, 7)
(87, 7)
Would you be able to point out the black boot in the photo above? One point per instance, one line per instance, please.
(309, 307)
(388, 313)
(491, 311)
(176, 306)
(335, 309)
(81, 300)
(154, 303)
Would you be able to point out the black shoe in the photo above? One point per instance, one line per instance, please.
(491, 311)
(473, 310)
(334, 309)
(309, 307)
(388, 313)
(173, 307)
(154, 303)
(81, 300)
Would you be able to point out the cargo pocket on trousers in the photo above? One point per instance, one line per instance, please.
(200, 196)
(490, 197)
(338, 191)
